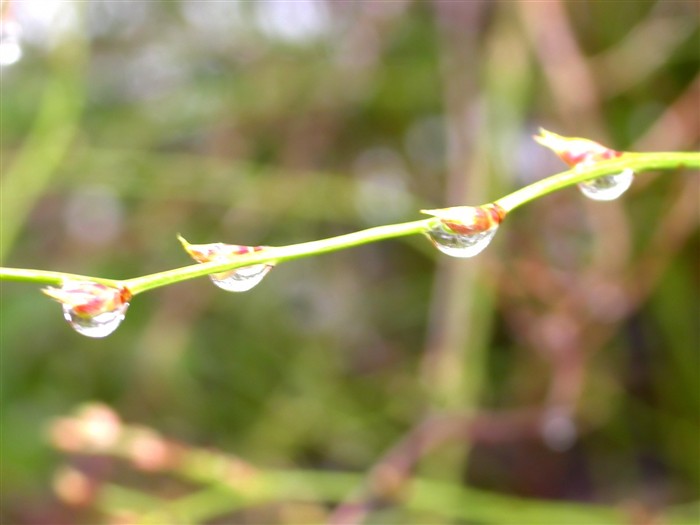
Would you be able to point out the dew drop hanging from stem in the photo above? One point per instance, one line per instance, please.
(465, 231)
(607, 187)
(98, 326)
(241, 279)
(92, 309)
(238, 280)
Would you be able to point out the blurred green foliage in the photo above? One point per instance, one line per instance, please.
(269, 123)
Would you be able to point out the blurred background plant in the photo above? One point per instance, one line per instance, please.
(384, 384)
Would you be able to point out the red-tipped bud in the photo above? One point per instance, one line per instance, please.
(89, 299)
(574, 150)
(216, 251)
(238, 280)
(467, 220)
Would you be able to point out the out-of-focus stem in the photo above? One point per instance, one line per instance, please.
(48, 141)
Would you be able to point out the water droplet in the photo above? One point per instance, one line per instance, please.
(241, 279)
(461, 244)
(464, 231)
(92, 309)
(238, 280)
(10, 49)
(100, 325)
(607, 187)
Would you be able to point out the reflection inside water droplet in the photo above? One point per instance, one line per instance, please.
(608, 187)
(460, 244)
(100, 325)
(241, 279)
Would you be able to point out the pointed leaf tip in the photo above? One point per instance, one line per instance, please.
(574, 150)
(185, 243)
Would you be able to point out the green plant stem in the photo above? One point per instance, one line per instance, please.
(637, 162)
(427, 496)
(279, 254)
(49, 277)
